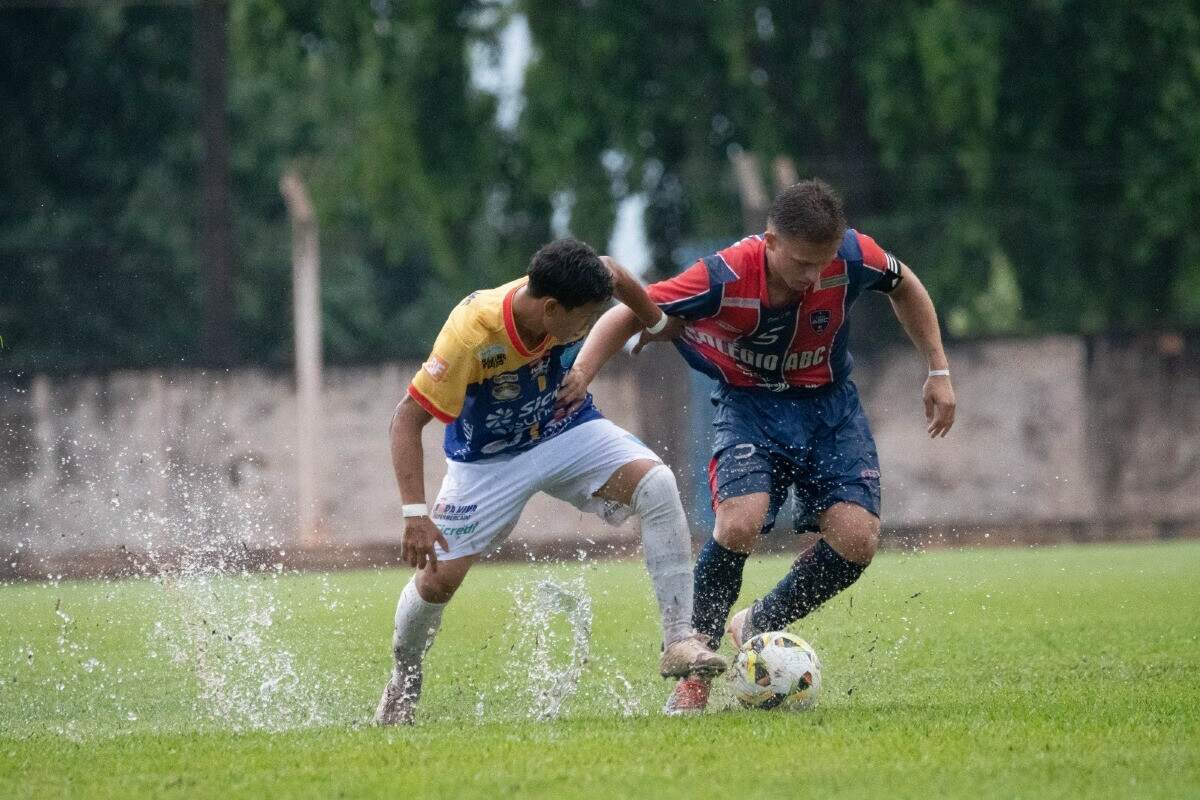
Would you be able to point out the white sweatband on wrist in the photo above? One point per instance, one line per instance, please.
(414, 510)
(657, 327)
(934, 373)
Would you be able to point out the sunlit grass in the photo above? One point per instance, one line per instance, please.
(1053, 672)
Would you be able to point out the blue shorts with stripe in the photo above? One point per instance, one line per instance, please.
(818, 443)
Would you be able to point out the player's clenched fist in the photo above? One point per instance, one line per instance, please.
(420, 534)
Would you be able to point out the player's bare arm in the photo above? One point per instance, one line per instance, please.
(914, 308)
(636, 312)
(629, 292)
(408, 461)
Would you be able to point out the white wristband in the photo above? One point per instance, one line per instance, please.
(657, 327)
(933, 373)
(414, 510)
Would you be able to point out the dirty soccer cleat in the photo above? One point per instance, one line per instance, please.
(690, 655)
(741, 627)
(690, 696)
(398, 706)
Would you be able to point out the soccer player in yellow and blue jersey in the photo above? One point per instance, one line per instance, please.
(493, 379)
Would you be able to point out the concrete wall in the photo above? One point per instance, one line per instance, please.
(1094, 437)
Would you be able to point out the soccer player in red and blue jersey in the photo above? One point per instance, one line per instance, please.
(768, 319)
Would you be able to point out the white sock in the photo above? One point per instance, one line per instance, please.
(417, 622)
(668, 548)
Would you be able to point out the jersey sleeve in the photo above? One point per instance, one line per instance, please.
(695, 293)
(440, 385)
(880, 271)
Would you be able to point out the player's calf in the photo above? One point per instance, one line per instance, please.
(817, 575)
(417, 623)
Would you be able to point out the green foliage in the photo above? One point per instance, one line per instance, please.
(1036, 163)
(1053, 672)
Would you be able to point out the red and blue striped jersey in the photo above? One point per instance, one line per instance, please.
(735, 337)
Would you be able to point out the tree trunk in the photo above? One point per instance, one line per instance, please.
(216, 247)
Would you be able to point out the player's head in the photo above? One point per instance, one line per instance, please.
(805, 225)
(573, 284)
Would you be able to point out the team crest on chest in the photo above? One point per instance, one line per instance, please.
(819, 320)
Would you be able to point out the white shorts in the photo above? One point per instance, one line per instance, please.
(480, 501)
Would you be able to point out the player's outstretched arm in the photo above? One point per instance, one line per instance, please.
(914, 308)
(607, 336)
(628, 291)
(408, 461)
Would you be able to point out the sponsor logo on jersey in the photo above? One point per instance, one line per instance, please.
(464, 530)
(741, 452)
(819, 320)
(505, 386)
(451, 512)
(835, 280)
(869, 473)
(493, 356)
(744, 355)
(500, 421)
(805, 359)
(539, 368)
(436, 367)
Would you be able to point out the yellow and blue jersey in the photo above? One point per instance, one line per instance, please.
(494, 395)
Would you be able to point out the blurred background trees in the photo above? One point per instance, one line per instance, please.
(1038, 164)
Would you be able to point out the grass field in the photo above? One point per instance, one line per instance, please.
(1057, 672)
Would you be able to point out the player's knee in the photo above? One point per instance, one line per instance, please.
(738, 534)
(854, 534)
(437, 587)
(657, 493)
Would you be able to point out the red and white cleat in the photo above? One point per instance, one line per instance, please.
(690, 696)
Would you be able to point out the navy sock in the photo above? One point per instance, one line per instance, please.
(718, 577)
(817, 575)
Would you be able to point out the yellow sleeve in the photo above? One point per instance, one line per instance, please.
(440, 385)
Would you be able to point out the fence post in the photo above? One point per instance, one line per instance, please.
(306, 305)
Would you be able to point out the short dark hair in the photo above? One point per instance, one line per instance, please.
(570, 272)
(808, 210)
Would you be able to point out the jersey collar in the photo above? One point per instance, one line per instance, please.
(510, 327)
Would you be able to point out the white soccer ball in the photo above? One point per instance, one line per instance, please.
(777, 670)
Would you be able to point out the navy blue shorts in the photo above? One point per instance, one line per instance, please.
(819, 444)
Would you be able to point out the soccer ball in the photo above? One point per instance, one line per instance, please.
(777, 670)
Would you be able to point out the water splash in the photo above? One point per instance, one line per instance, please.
(206, 600)
(553, 617)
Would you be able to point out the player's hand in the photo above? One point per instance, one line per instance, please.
(939, 405)
(420, 534)
(674, 330)
(571, 393)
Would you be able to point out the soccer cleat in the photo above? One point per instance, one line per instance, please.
(741, 627)
(398, 706)
(690, 655)
(690, 696)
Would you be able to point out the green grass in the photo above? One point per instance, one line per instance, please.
(1059, 672)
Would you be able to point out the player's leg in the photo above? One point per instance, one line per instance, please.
(849, 536)
(845, 489)
(418, 617)
(748, 488)
(476, 508)
(600, 468)
(648, 487)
